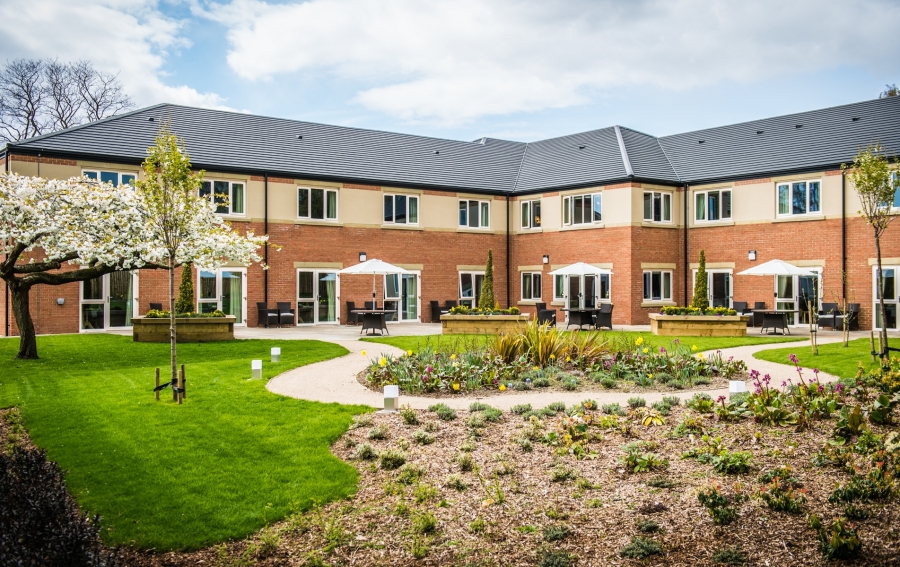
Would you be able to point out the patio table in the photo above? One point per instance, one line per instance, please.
(773, 319)
(580, 317)
(373, 319)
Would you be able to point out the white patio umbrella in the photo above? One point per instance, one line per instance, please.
(776, 268)
(375, 267)
(579, 269)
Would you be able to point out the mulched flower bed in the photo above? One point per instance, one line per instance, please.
(478, 495)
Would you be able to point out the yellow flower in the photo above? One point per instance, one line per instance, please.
(487, 502)
(639, 341)
(694, 347)
(363, 353)
(409, 353)
(568, 359)
(646, 350)
(456, 386)
(383, 362)
(453, 356)
(701, 356)
(502, 387)
(649, 375)
(552, 357)
(455, 364)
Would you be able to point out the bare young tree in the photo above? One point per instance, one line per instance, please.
(22, 99)
(876, 185)
(38, 96)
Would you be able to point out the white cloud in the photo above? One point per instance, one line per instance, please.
(129, 37)
(452, 62)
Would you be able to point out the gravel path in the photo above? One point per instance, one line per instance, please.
(335, 380)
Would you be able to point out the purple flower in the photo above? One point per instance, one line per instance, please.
(758, 390)
(815, 370)
(821, 388)
(799, 369)
(429, 369)
(839, 388)
(767, 379)
(720, 399)
(793, 358)
(754, 374)
(662, 350)
(783, 384)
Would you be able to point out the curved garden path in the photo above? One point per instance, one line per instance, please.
(335, 380)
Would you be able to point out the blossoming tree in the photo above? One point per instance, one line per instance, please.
(46, 224)
(181, 227)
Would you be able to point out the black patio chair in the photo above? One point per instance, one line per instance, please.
(757, 318)
(370, 305)
(450, 303)
(285, 313)
(830, 316)
(547, 316)
(436, 311)
(540, 307)
(740, 307)
(156, 306)
(853, 316)
(604, 317)
(266, 316)
(352, 318)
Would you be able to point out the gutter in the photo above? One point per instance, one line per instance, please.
(843, 236)
(687, 263)
(6, 155)
(508, 260)
(266, 245)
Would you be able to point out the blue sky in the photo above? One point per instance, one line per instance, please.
(468, 68)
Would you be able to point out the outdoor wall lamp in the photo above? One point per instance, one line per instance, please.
(546, 258)
(751, 255)
(362, 256)
(60, 301)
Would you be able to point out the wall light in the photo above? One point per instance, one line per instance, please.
(60, 300)
(546, 258)
(751, 255)
(362, 256)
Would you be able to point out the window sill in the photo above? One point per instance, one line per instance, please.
(530, 302)
(317, 222)
(474, 230)
(558, 303)
(799, 218)
(402, 227)
(704, 224)
(232, 218)
(530, 230)
(589, 226)
(650, 224)
(657, 303)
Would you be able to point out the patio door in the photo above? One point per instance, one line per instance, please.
(470, 288)
(793, 293)
(720, 288)
(318, 297)
(402, 295)
(224, 290)
(889, 284)
(108, 302)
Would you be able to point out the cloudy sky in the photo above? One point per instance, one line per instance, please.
(464, 69)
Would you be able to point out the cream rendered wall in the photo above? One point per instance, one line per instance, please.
(48, 171)
(637, 205)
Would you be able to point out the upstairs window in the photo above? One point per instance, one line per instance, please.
(474, 214)
(799, 198)
(583, 209)
(531, 286)
(401, 209)
(711, 206)
(657, 206)
(317, 204)
(894, 182)
(657, 286)
(227, 196)
(116, 178)
(531, 214)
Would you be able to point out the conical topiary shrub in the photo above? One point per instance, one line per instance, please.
(185, 301)
(487, 287)
(701, 289)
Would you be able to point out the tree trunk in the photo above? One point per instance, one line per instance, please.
(27, 339)
(172, 321)
(884, 334)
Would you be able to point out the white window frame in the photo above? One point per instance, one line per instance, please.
(568, 207)
(393, 217)
(325, 193)
(663, 274)
(469, 299)
(895, 205)
(527, 210)
(701, 213)
(790, 188)
(231, 199)
(536, 279)
(97, 173)
(876, 308)
(663, 197)
(483, 207)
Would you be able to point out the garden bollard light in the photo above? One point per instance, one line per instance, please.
(276, 354)
(391, 398)
(256, 367)
(736, 387)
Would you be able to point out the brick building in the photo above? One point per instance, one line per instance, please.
(636, 206)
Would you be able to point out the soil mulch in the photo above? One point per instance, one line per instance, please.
(515, 506)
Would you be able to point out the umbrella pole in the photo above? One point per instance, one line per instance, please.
(374, 301)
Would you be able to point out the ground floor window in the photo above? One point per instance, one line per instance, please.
(657, 286)
(470, 288)
(798, 294)
(317, 296)
(582, 292)
(531, 286)
(108, 302)
(719, 287)
(224, 290)
(401, 295)
(889, 284)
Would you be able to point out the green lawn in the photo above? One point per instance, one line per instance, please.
(833, 358)
(458, 343)
(164, 476)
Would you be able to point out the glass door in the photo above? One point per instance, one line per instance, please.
(784, 296)
(574, 287)
(223, 290)
(108, 302)
(889, 284)
(807, 297)
(719, 286)
(392, 296)
(317, 297)
(590, 292)
(794, 292)
(470, 288)
(409, 297)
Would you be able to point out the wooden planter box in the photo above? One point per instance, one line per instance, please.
(481, 324)
(187, 329)
(699, 325)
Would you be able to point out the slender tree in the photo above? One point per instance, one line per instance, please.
(185, 303)
(876, 185)
(487, 286)
(181, 226)
(701, 287)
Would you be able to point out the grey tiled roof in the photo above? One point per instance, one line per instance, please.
(220, 140)
(825, 138)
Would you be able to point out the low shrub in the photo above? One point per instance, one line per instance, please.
(720, 507)
(443, 411)
(456, 482)
(378, 432)
(424, 523)
(562, 473)
(410, 474)
(701, 402)
(422, 437)
(556, 533)
(647, 526)
(478, 406)
(672, 401)
(637, 402)
(609, 382)
(365, 452)
(520, 409)
(492, 414)
(554, 559)
(613, 409)
(466, 462)
(732, 462)
(409, 415)
(555, 408)
(837, 541)
(391, 459)
(661, 482)
(640, 548)
(729, 556)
